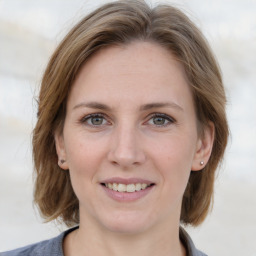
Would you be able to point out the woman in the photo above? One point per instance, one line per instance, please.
(131, 128)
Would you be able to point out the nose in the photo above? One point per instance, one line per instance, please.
(126, 149)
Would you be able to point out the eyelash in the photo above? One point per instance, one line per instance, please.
(85, 119)
(166, 117)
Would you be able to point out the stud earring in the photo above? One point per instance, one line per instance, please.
(202, 162)
(62, 161)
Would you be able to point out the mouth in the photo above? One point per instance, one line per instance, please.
(127, 188)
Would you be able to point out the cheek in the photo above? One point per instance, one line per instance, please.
(81, 151)
(176, 151)
(173, 159)
(83, 170)
(83, 161)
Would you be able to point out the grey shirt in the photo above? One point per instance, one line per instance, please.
(53, 247)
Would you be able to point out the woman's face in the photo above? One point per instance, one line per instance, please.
(130, 138)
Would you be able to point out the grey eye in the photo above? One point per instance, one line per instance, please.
(94, 120)
(97, 120)
(159, 120)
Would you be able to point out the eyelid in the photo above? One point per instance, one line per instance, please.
(170, 119)
(156, 114)
(85, 118)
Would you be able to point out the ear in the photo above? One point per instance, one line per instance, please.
(61, 151)
(204, 148)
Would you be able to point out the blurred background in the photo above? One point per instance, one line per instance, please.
(29, 32)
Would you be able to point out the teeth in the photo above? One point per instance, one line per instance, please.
(114, 186)
(121, 188)
(143, 186)
(138, 186)
(130, 188)
(126, 188)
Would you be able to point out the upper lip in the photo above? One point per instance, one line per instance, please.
(125, 181)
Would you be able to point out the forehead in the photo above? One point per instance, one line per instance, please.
(134, 58)
(140, 69)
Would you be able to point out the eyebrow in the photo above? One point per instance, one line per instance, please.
(160, 105)
(95, 105)
(101, 106)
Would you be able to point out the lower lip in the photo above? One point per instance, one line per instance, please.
(127, 196)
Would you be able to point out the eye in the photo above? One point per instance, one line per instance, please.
(94, 120)
(159, 119)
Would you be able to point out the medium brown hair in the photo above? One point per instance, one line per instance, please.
(120, 23)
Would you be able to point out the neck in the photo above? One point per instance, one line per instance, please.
(88, 241)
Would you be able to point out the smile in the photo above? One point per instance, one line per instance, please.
(129, 188)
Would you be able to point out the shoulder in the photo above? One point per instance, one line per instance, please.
(188, 243)
(47, 247)
(51, 247)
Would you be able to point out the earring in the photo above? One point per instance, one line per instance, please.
(202, 162)
(62, 161)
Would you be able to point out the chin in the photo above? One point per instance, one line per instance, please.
(127, 223)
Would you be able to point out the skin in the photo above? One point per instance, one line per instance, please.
(129, 142)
